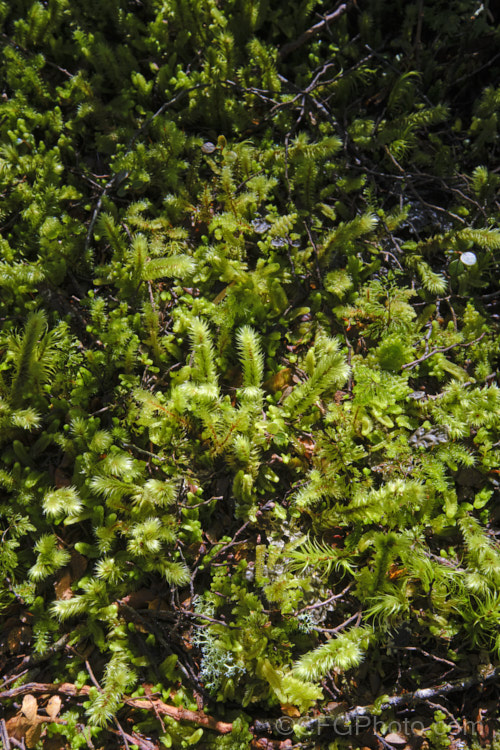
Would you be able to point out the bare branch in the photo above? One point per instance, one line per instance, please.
(175, 712)
(411, 365)
(312, 31)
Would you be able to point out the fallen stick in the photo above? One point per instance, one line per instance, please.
(309, 33)
(181, 714)
(153, 704)
(340, 721)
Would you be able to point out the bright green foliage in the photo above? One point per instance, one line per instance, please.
(118, 677)
(343, 652)
(249, 403)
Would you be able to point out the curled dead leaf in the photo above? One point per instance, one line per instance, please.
(53, 707)
(396, 740)
(279, 380)
(30, 707)
(27, 724)
(62, 586)
(33, 734)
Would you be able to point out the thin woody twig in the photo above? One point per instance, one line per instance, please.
(340, 627)
(327, 601)
(92, 676)
(175, 712)
(426, 653)
(233, 541)
(440, 707)
(118, 178)
(316, 254)
(312, 31)
(122, 734)
(4, 737)
(136, 739)
(15, 45)
(32, 659)
(114, 181)
(13, 678)
(342, 720)
(440, 349)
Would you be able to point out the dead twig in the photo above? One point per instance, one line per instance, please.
(356, 616)
(440, 349)
(116, 180)
(92, 676)
(182, 714)
(15, 45)
(178, 713)
(124, 736)
(316, 254)
(418, 650)
(312, 31)
(13, 678)
(327, 601)
(121, 176)
(342, 720)
(135, 739)
(4, 736)
(31, 660)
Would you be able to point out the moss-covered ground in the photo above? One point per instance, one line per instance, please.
(249, 403)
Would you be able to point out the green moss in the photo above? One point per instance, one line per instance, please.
(248, 404)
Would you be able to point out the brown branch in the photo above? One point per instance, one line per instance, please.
(410, 365)
(426, 653)
(164, 709)
(136, 739)
(13, 678)
(65, 688)
(92, 677)
(125, 737)
(309, 33)
(181, 714)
